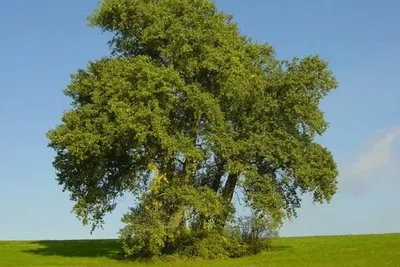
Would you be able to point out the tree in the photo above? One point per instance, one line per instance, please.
(184, 112)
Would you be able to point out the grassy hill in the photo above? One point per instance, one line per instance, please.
(366, 250)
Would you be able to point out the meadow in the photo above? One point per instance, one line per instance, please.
(363, 250)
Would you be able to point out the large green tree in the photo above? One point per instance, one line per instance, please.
(185, 112)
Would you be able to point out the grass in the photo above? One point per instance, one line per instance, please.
(366, 250)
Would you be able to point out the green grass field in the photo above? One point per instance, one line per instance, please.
(367, 250)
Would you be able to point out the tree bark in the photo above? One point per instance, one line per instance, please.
(229, 188)
(217, 179)
(227, 196)
(216, 182)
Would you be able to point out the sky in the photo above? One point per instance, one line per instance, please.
(44, 41)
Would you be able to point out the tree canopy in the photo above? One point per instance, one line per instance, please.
(183, 113)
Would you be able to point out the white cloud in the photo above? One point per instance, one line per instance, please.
(376, 164)
(380, 153)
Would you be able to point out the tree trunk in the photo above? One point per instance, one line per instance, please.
(229, 188)
(227, 196)
(216, 183)
(217, 179)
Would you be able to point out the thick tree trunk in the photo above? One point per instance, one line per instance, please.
(227, 196)
(216, 182)
(229, 188)
(217, 179)
(177, 215)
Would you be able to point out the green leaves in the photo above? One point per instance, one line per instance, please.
(183, 112)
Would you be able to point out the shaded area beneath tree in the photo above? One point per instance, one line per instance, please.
(79, 248)
(110, 249)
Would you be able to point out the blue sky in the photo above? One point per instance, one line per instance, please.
(44, 41)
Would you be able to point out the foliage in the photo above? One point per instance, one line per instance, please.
(184, 112)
